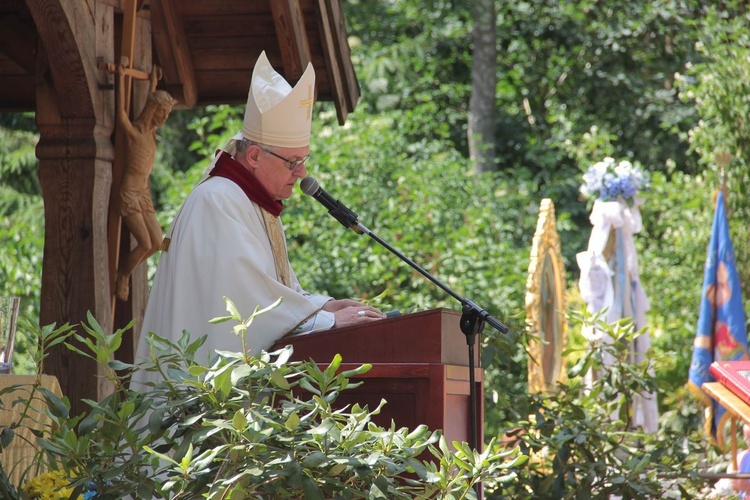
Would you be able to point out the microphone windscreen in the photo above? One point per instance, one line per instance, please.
(309, 185)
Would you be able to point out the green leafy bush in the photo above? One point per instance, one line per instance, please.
(239, 429)
(581, 441)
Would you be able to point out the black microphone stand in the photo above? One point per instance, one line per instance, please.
(473, 317)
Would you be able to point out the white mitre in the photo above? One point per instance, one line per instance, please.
(277, 114)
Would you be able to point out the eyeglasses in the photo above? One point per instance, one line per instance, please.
(293, 165)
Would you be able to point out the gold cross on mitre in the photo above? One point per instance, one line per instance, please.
(307, 103)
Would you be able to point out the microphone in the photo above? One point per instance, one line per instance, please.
(338, 210)
(310, 186)
(473, 315)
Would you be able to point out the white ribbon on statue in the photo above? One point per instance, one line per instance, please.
(595, 281)
(596, 276)
(598, 288)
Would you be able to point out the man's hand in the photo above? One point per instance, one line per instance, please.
(349, 312)
(336, 305)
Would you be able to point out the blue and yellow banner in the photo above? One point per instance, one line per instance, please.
(721, 333)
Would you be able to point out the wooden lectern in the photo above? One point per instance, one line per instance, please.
(419, 366)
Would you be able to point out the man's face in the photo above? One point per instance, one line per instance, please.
(274, 174)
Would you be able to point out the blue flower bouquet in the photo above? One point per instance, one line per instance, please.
(608, 180)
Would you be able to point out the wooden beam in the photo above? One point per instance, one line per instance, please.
(174, 52)
(229, 87)
(292, 37)
(74, 171)
(59, 35)
(114, 226)
(17, 93)
(135, 41)
(338, 27)
(130, 9)
(330, 46)
(18, 41)
(199, 8)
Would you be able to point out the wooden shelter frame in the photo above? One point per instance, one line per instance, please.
(57, 58)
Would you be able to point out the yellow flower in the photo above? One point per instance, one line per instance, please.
(53, 485)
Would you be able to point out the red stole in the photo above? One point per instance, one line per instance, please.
(231, 169)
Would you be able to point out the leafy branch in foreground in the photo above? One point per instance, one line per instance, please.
(250, 426)
(582, 441)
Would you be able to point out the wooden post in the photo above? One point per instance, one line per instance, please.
(114, 230)
(75, 118)
(74, 171)
(735, 465)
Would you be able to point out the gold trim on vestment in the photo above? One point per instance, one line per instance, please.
(275, 234)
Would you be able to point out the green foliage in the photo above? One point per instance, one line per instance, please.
(581, 441)
(672, 249)
(21, 224)
(241, 428)
(421, 202)
(29, 405)
(571, 66)
(563, 68)
(17, 162)
(718, 84)
(22, 241)
(408, 180)
(577, 81)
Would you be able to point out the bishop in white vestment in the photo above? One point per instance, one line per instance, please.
(227, 239)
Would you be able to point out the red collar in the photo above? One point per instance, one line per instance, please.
(231, 169)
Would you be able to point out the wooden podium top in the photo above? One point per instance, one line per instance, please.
(726, 398)
(735, 407)
(432, 336)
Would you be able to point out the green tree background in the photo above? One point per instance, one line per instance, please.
(663, 83)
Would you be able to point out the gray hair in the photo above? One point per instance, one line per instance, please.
(243, 144)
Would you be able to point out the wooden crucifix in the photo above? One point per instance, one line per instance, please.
(137, 153)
